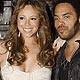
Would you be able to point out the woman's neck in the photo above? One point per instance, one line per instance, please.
(31, 44)
(30, 41)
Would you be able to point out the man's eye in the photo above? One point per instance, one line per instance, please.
(66, 16)
(55, 19)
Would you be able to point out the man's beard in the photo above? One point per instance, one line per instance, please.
(76, 28)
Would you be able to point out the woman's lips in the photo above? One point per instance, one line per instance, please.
(28, 30)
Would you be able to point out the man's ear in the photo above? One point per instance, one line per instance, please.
(79, 19)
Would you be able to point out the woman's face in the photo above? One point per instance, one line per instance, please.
(28, 21)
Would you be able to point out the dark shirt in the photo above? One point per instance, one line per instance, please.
(65, 70)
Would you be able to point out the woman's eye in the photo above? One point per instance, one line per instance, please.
(33, 18)
(21, 18)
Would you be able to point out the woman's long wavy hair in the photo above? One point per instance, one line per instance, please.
(16, 44)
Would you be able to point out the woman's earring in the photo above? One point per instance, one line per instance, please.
(37, 34)
(19, 34)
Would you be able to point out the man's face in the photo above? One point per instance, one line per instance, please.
(65, 20)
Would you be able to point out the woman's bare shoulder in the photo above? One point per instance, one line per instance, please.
(3, 59)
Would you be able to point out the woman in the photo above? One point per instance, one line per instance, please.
(29, 54)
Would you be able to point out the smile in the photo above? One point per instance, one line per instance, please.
(27, 30)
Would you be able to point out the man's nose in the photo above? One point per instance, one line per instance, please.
(61, 22)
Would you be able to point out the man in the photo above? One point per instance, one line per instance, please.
(67, 24)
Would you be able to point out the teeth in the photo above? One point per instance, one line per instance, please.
(27, 30)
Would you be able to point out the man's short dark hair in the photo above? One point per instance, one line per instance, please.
(74, 3)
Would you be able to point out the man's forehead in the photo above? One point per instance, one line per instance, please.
(64, 8)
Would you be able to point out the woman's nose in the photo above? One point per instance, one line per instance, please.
(27, 22)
